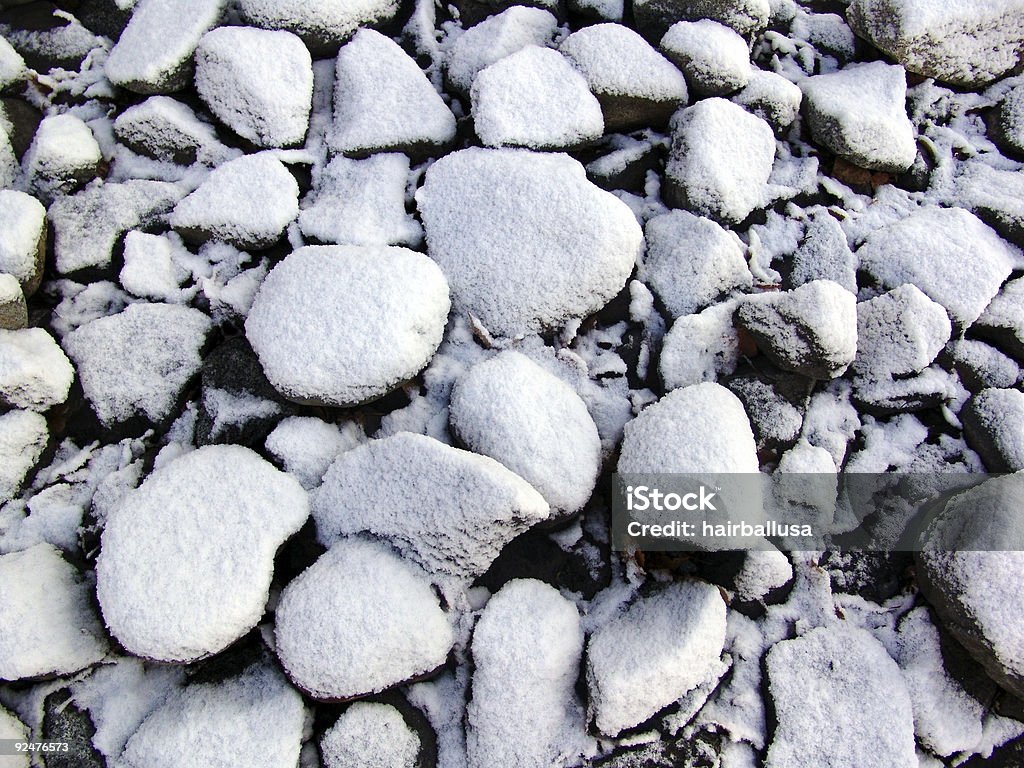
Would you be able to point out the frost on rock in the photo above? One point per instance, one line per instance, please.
(63, 156)
(322, 25)
(662, 647)
(635, 84)
(526, 656)
(860, 114)
(840, 701)
(362, 202)
(550, 247)
(994, 426)
(46, 612)
(771, 97)
(166, 129)
(253, 719)
(307, 446)
(370, 735)
(137, 362)
(746, 17)
(22, 238)
(388, 312)
(385, 625)
(720, 161)
(383, 101)
(154, 52)
(246, 202)
(691, 261)
(714, 58)
(534, 98)
(511, 409)
(258, 82)
(450, 510)
(34, 372)
(700, 347)
(963, 42)
(23, 438)
(946, 252)
(186, 559)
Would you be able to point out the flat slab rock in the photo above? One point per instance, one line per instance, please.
(555, 247)
(450, 510)
(186, 560)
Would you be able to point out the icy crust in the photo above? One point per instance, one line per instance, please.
(383, 101)
(253, 719)
(388, 308)
(450, 510)
(34, 372)
(322, 24)
(46, 613)
(526, 654)
(23, 437)
(186, 560)
(662, 647)
(535, 99)
(525, 240)
(137, 362)
(840, 701)
(154, 52)
(370, 735)
(385, 623)
(511, 409)
(22, 226)
(257, 82)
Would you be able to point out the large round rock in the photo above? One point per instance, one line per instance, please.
(341, 325)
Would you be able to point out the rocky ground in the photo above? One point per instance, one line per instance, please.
(325, 326)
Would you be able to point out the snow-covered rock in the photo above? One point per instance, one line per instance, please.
(62, 157)
(12, 728)
(981, 365)
(994, 426)
(386, 625)
(13, 308)
(387, 313)
(771, 97)
(700, 347)
(307, 446)
(154, 52)
(370, 735)
(34, 372)
(946, 252)
(1003, 318)
(246, 202)
(166, 129)
(840, 701)
(450, 510)
(383, 101)
(22, 238)
(526, 656)
(1007, 125)
(12, 65)
(860, 114)
(746, 17)
(46, 612)
(662, 647)
(362, 202)
(691, 261)
(773, 417)
(635, 84)
(823, 253)
(150, 270)
(186, 559)
(23, 438)
(811, 330)
(714, 58)
(559, 248)
(511, 409)
(720, 161)
(322, 25)
(137, 362)
(964, 43)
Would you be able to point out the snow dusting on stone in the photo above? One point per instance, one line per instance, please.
(370, 735)
(34, 372)
(713, 57)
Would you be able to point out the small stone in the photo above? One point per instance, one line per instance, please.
(307, 446)
(1009, 121)
(823, 254)
(168, 130)
(63, 156)
(1003, 319)
(700, 347)
(771, 97)
(994, 426)
(775, 420)
(13, 309)
(23, 438)
(34, 372)
(12, 66)
(981, 366)
(323, 25)
(746, 17)
(715, 60)
(371, 735)
(150, 270)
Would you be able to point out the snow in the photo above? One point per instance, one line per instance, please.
(511, 409)
(450, 510)
(23, 438)
(12, 728)
(700, 347)
(388, 312)
(12, 66)
(691, 261)
(526, 656)
(715, 60)
(383, 101)
(34, 372)
(307, 446)
(22, 225)
(495, 38)
(662, 647)
(948, 253)
(370, 735)
(149, 269)
(258, 83)
(62, 156)
(386, 625)
(534, 98)
(362, 202)
(254, 719)
(323, 24)
(246, 202)
(552, 248)
(169, 130)
(771, 97)
(720, 161)
(762, 571)
(840, 701)
(45, 609)
(994, 424)
(860, 114)
(186, 559)
(138, 361)
(154, 52)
